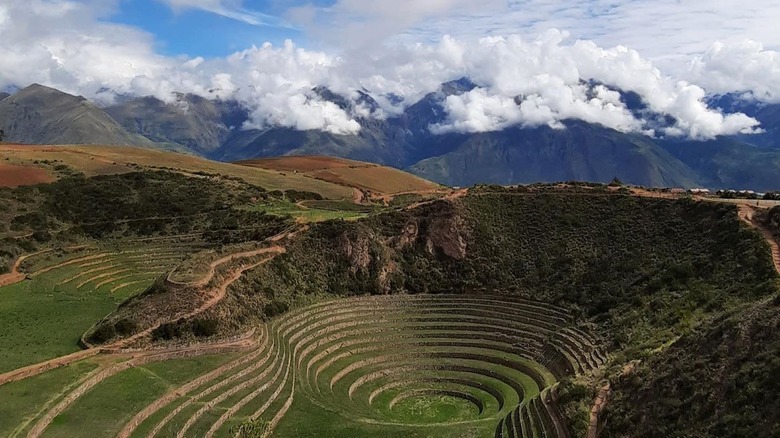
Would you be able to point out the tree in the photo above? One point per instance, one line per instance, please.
(2, 135)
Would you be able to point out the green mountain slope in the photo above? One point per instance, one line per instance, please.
(721, 380)
(196, 124)
(730, 164)
(42, 115)
(581, 152)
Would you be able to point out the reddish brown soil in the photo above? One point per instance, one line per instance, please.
(303, 163)
(356, 174)
(595, 412)
(15, 275)
(14, 176)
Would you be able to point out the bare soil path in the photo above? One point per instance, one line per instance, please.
(39, 368)
(215, 295)
(15, 275)
(746, 213)
(595, 411)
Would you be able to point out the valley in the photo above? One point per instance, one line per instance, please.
(193, 298)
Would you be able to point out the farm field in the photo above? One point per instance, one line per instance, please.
(25, 400)
(15, 176)
(329, 364)
(108, 160)
(364, 176)
(315, 211)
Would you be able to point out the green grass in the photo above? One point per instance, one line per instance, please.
(21, 402)
(40, 320)
(304, 214)
(108, 406)
(306, 419)
(44, 317)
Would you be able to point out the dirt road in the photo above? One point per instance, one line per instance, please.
(747, 213)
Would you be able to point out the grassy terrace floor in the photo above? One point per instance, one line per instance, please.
(44, 317)
(387, 366)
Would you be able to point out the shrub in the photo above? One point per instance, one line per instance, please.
(125, 327)
(102, 334)
(203, 328)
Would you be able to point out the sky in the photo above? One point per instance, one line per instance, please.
(535, 61)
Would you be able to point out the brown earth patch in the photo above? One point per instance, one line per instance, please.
(12, 175)
(303, 163)
(356, 174)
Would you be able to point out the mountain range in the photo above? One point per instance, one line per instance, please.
(582, 151)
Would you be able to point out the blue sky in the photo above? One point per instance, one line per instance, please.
(196, 32)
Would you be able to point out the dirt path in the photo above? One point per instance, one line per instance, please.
(595, 411)
(39, 368)
(15, 275)
(229, 258)
(215, 295)
(180, 391)
(746, 213)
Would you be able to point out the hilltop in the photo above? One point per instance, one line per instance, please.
(369, 178)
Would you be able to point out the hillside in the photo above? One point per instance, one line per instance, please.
(367, 177)
(107, 160)
(636, 273)
(579, 153)
(191, 122)
(727, 163)
(42, 115)
(720, 380)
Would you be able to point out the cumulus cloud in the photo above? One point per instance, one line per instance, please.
(541, 82)
(744, 67)
(531, 82)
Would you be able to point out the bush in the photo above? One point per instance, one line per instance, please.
(125, 327)
(102, 334)
(203, 328)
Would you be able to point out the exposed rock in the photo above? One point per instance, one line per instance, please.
(357, 250)
(447, 235)
(408, 236)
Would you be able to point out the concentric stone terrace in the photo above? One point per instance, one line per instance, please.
(397, 360)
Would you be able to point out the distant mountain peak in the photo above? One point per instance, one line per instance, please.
(458, 86)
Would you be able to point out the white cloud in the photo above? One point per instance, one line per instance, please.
(65, 44)
(545, 77)
(744, 67)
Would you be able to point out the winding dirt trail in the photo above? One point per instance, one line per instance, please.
(215, 295)
(42, 367)
(15, 276)
(595, 411)
(746, 213)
